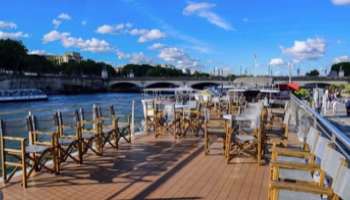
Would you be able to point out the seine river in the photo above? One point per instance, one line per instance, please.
(122, 103)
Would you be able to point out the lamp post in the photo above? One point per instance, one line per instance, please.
(290, 71)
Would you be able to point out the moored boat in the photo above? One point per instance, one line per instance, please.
(22, 95)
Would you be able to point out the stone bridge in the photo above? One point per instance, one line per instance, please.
(201, 82)
(194, 82)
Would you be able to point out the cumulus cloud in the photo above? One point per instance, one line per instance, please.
(11, 35)
(105, 29)
(153, 34)
(53, 36)
(118, 29)
(179, 57)
(203, 10)
(4, 35)
(311, 49)
(135, 58)
(64, 16)
(92, 45)
(340, 2)
(156, 46)
(276, 62)
(145, 35)
(56, 23)
(83, 23)
(7, 25)
(38, 52)
(340, 59)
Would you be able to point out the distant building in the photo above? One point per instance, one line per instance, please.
(341, 71)
(68, 56)
(167, 66)
(186, 71)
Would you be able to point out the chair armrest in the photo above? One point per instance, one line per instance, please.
(301, 187)
(290, 152)
(295, 165)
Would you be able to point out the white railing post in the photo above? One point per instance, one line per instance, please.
(132, 118)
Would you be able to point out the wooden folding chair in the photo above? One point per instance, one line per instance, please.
(69, 137)
(90, 130)
(123, 128)
(214, 128)
(109, 128)
(247, 141)
(331, 163)
(172, 120)
(17, 154)
(45, 131)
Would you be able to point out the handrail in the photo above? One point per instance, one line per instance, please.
(300, 110)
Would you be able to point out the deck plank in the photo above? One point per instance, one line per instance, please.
(150, 168)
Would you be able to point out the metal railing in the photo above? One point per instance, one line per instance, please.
(305, 117)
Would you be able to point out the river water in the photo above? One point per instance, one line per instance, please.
(122, 103)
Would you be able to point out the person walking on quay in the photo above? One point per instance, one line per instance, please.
(335, 105)
(324, 102)
(347, 106)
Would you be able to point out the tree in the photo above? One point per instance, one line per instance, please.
(12, 53)
(344, 65)
(313, 73)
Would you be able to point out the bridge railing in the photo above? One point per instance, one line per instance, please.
(305, 117)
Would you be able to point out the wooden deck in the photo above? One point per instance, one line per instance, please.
(150, 168)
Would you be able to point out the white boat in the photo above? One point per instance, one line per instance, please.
(32, 94)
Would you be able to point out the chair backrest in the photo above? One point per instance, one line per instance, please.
(320, 147)
(88, 118)
(331, 161)
(286, 118)
(192, 104)
(169, 111)
(45, 122)
(13, 129)
(68, 123)
(68, 118)
(106, 111)
(311, 138)
(342, 182)
(206, 115)
(44, 129)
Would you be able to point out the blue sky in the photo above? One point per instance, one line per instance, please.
(250, 36)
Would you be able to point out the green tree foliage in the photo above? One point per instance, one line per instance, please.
(302, 93)
(345, 66)
(12, 53)
(39, 65)
(313, 73)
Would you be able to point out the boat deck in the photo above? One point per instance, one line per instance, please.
(150, 168)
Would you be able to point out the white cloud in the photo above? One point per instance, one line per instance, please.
(118, 29)
(340, 2)
(156, 46)
(54, 35)
(56, 23)
(203, 10)
(105, 29)
(245, 19)
(311, 49)
(5, 35)
(276, 62)
(153, 34)
(64, 16)
(7, 25)
(83, 23)
(340, 59)
(179, 57)
(135, 58)
(93, 45)
(38, 52)
(138, 31)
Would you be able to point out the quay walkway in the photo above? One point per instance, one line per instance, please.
(340, 119)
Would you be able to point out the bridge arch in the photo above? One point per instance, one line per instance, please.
(124, 87)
